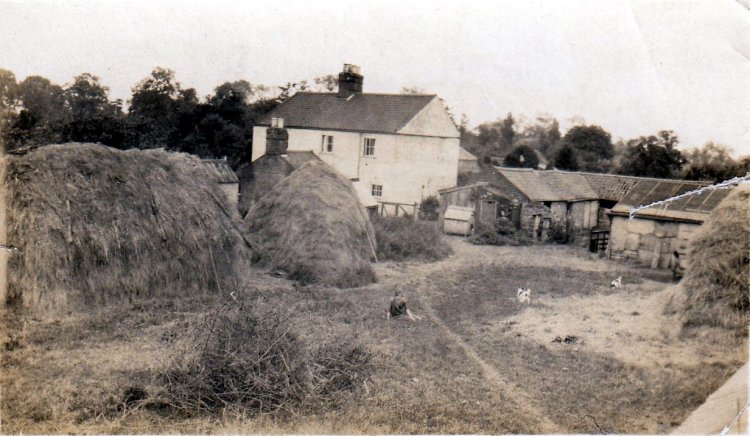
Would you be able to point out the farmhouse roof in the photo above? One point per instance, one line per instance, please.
(549, 185)
(222, 170)
(693, 208)
(298, 158)
(381, 113)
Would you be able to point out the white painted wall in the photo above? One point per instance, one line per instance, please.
(409, 167)
(432, 120)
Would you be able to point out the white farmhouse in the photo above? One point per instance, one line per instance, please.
(404, 147)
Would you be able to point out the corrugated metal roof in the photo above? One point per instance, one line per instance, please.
(385, 113)
(691, 208)
(458, 213)
(222, 170)
(611, 186)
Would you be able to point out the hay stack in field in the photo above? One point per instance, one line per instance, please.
(94, 224)
(717, 277)
(312, 225)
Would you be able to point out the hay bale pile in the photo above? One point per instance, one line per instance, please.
(717, 277)
(312, 225)
(94, 225)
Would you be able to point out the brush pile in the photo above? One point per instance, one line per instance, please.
(717, 277)
(96, 225)
(251, 356)
(312, 226)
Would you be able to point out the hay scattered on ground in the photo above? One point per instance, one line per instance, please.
(717, 277)
(312, 225)
(96, 225)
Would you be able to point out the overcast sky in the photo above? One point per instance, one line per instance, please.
(632, 67)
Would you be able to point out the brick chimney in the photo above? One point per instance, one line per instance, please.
(277, 138)
(350, 81)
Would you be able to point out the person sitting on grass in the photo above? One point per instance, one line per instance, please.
(398, 308)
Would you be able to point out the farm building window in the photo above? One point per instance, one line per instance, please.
(369, 146)
(377, 190)
(326, 144)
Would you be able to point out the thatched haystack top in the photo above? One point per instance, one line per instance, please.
(94, 224)
(717, 279)
(312, 226)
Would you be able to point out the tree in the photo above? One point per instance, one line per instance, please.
(329, 83)
(91, 116)
(506, 130)
(152, 116)
(712, 162)
(566, 159)
(8, 103)
(41, 115)
(593, 147)
(521, 157)
(653, 156)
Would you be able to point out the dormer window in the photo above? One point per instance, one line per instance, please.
(369, 148)
(326, 144)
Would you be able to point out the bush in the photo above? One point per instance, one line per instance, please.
(401, 238)
(237, 356)
(559, 234)
(429, 209)
(498, 235)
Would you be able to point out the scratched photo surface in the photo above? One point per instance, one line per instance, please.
(374, 217)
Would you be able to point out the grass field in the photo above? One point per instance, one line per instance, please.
(477, 361)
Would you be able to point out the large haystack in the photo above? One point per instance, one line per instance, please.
(94, 224)
(312, 226)
(718, 275)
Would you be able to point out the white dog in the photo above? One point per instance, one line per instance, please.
(616, 283)
(524, 295)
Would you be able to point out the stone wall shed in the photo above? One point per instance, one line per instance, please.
(655, 233)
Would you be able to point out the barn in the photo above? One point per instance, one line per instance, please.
(656, 233)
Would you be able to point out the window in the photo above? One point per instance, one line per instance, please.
(326, 144)
(377, 190)
(369, 146)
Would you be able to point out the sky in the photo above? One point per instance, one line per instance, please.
(632, 67)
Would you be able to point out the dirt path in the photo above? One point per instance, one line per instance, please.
(525, 405)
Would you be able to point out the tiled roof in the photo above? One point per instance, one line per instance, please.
(549, 185)
(222, 170)
(383, 113)
(691, 208)
(298, 158)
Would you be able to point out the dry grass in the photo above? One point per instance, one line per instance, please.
(312, 226)
(95, 225)
(717, 278)
(421, 380)
(402, 238)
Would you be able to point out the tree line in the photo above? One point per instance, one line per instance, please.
(538, 143)
(161, 113)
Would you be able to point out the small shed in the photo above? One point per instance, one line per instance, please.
(458, 220)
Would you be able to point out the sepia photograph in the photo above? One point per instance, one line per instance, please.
(374, 217)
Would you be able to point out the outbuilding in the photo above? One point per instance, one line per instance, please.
(655, 233)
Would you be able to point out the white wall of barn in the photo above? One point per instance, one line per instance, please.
(408, 167)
